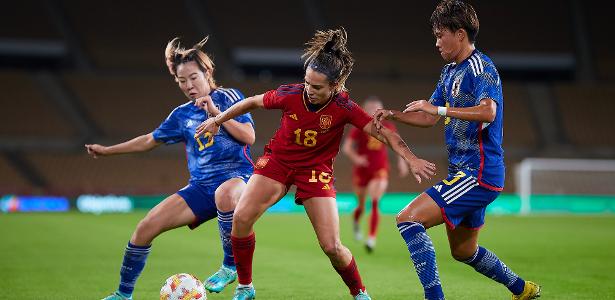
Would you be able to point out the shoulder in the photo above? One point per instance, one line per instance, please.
(182, 109)
(290, 89)
(227, 94)
(343, 101)
(481, 65)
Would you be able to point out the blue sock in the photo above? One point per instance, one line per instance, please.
(225, 224)
(134, 262)
(486, 263)
(423, 256)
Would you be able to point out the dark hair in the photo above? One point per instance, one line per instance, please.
(176, 55)
(327, 53)
(454, 15)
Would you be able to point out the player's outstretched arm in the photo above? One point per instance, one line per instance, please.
(420, 168)
(418, 119)
(485, 111)
(239, 108)
(141, 143)
(243, 132)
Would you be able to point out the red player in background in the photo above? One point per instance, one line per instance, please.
(370, 172)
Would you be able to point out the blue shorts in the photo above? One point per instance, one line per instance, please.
(462, 200)
(201, 198)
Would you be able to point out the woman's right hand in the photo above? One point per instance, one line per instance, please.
(96, 150)
(421, 168)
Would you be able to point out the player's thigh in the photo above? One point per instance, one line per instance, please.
(376, 187)
(171, 213)
(260, 193)
(322, 212)
(228, 193)
(423, 209)
(463, 241)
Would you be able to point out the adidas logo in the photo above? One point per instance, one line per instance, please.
(326, 187)
(294, 117)
(438, 187)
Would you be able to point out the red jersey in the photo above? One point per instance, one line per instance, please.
(310, 138)
(373, 149)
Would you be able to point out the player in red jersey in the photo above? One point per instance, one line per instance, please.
(370, 172)
(302, 151)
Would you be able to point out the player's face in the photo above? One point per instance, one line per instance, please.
(192, 81)
(317, 87)
(447, 43)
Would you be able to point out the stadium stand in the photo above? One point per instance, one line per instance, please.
(587, 127)
(130, 174)
(26, 112)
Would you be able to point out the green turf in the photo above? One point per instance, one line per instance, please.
(77, 256)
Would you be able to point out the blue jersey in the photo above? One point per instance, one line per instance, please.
(473, 147)
(210, 158)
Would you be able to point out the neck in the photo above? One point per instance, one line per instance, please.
(465, 53)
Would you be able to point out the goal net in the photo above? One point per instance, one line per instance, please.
(538, 177)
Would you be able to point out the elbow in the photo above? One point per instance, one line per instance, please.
(490, 115)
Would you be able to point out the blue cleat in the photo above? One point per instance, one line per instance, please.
(117, 296)
(362, 295)
(219, 280)
(245, 293)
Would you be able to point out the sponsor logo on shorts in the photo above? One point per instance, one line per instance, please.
(261, 162)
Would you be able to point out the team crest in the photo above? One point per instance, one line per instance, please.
(325, 121)
(261, 162)
(456, 86)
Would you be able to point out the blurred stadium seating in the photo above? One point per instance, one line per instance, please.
(124, 89)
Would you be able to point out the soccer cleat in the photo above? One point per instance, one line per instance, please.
(530, 291)
(219, 280)
(244, 293)
(362, 295)
(357, 231)
(117, 296)
(370, 244)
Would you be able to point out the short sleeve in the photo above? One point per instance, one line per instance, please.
(487, 85)
(169, 130)
(358, 117)
(233, 96)
(437, 98)
(275, 99)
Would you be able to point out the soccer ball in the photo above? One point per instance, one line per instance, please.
(182, 287)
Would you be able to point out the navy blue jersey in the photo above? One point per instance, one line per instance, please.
(210, 158)
(473, 147)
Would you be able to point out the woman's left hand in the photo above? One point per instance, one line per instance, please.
(208, 105)
(421, 105)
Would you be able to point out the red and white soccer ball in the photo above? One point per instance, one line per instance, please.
(183, 287)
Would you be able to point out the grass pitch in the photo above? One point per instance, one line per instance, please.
(77, 256)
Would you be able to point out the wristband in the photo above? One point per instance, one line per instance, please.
(442, 110)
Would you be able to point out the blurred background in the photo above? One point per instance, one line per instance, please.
(76, 72)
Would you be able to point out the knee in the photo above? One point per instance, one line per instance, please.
(462, 253)
(147, 229)
(332, 249)
(241, 220)
(408, 215)
(226, 199)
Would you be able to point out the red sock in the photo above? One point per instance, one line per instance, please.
(351, 277)
(375, 218)
(357, 213)
(243, 251)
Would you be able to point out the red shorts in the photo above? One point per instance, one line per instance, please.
(362, 176)
(313, 182)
